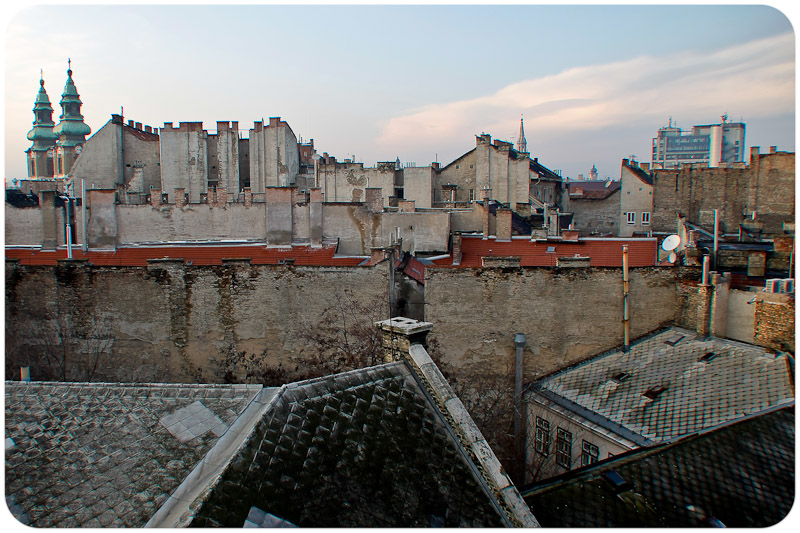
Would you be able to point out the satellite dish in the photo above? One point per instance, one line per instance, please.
(672, 258)
(670, 243)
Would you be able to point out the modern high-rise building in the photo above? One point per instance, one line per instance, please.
(711, 144)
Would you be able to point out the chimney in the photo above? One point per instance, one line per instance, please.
(503, 229)
(221, 199)
(130, 123)
(138, 125)
(406, 206)
(374, 199)
(773, 149)
(180, 197)
(155, 197)
(376, 255)
(399, 333)
(457, 248)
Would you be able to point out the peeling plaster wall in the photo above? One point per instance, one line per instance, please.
(566, 314)
(169, 320)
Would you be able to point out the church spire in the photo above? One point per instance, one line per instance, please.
(522, 144)
(71, 129)
(40, 163)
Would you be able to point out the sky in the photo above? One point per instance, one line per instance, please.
(377, 82)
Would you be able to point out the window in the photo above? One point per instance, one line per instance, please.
(563, 448)
(645, 218)
(542, 436)
(631, 217)
(590, 453)
(472, 195)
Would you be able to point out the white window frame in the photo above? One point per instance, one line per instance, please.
(645, 218)
(631, 217)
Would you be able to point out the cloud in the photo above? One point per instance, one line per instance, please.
(749, 80)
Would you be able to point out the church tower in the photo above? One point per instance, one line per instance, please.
(41, 152)
(71, 129)
(522, 144)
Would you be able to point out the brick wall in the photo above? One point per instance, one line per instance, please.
(774, 324)
(766, 186)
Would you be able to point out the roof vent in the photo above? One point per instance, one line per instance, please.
(674, 339)
(621, 377)
(654, 392)
(617, 482)
(708, 357)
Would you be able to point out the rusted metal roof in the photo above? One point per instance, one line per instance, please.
(603, 252)
(196, 254)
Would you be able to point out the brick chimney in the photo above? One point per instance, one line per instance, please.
(374, 199)
(503, 224)
(221, 198)
(399, 334)
(180, 197)
(457, 248)
(406, 206)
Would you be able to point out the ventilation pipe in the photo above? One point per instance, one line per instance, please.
(519, 419)
(626, 326)
(83, 216)
(716, 237)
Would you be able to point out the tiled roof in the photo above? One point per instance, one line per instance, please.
(640, 173)
(360, 449)
(604, 252)
(543, 172)
(740, 475)
(108, 455)
(671, 384)
(197, 254)
(592, 190)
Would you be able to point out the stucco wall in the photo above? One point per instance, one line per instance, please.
(23, 226)
(144, 223)
(346, 182)
(635, 196)
(168, 320)
(99, 163)
(184, 160)
(594, 215)
(359, 230)
(566, 314)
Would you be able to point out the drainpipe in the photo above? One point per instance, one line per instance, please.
(716, 237)
(83, 216)
(519, 419)
(626, 326)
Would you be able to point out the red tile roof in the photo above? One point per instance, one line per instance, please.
(197, 254)
(603, 252)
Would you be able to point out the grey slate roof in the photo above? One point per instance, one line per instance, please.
(740, 475)
(108, 455)
(365, 448)
(699, 390)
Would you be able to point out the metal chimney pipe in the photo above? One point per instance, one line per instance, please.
(519, 419)
(626, 326)
(716, 237)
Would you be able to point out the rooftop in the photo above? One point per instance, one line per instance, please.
(191, 253)
(603, 252)
(740, 475)
(671, 384)
(108, 455)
